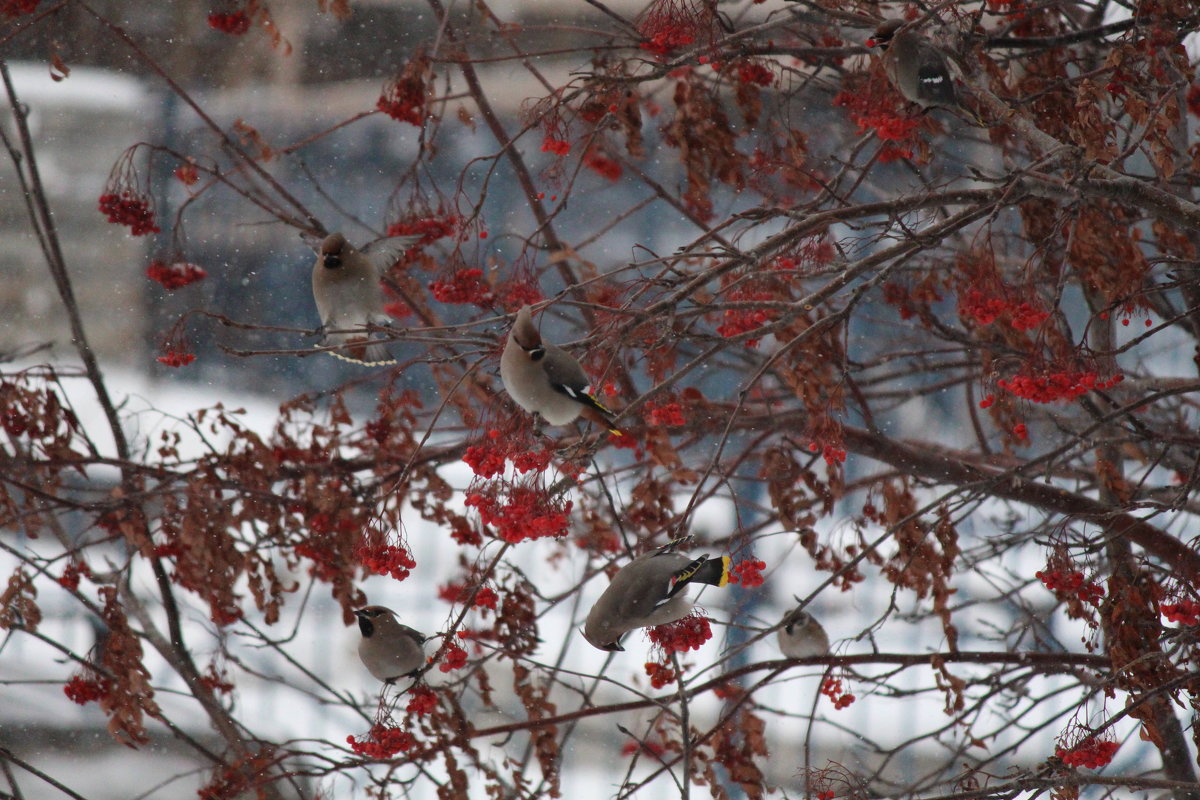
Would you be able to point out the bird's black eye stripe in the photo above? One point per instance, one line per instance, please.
(536, 353)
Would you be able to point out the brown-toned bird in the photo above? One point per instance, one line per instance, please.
(919, 70)
(547, 380)
(388, 649)
(345, 284)
(649, 591)
(802, 636)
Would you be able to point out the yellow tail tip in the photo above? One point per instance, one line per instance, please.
(725, 562)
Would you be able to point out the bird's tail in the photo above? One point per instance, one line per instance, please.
(600, 415)
(362, 352)
(714, 572)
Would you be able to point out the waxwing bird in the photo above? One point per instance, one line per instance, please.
(649, 591)
(345, 284)
(802, 636)
(544, 379)
(919, 70)
(388, 649)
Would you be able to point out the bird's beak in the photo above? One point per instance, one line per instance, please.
(615, 647)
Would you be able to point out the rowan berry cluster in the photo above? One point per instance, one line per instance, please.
(174, 276)
(15, 8)
(430, 229)
(986, 309)
(748, 573)
(129, 208)
(176, 358)
(689, 633)
(390, 560)
(488, 458)
(832, 688)
(671, 24)
(234, 23)
(741, 320)
(382, 741)
(73, 572)
(83, 690)
(660, 674)
(404, 97)
(664, 415)
(1056, 386)
(421, 701)
(464, 286)
(1071, 584)
(1091, 753)
(453, 658)
(756, 73)
(602, 165)
(526, 513)
(1185, 612)
(559, 147)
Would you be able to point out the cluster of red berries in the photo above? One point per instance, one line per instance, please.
(488, 459)
(430, 229)
(689, 633)
(487, 597)
(1071, 583)
(560, 147)
(129, 208)
(527, 513)
(234, 23)
(832, 688)
(662, 42)
(83, 690)
(1092, 753)
(516, 293)
(15, 8)
(421, 701)
(660, 674)
(404, 100)
(71, 575)
(986, 309)
(665, 415)
(739, 320)
(453, 658)
(754, 72)
(602, 165)
(1051, 386)
(464, 286)
(671, 24)
(831, 453)
(176, 358)
(748, 573)
(216, 681)
(484, 460)
(654, 748)
(174, 276)
(383, 741)
(388, 559)
(1185, 612)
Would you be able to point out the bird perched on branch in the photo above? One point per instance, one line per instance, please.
(649, 591)
(919, 70)
(544, 379)
(345, 284)
(388, 649)
(802, 636)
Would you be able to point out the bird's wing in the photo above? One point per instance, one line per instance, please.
(933, 75)
(650, 583)
(383, 253)
(567, 377)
